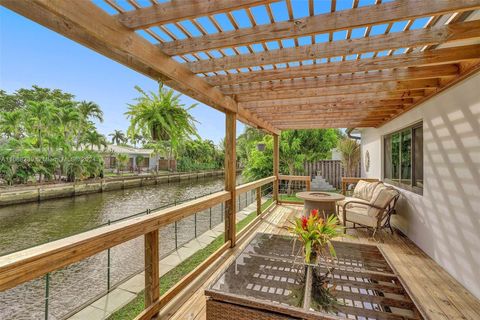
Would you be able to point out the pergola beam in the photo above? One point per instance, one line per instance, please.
(380, 87)
(178, 10)
(404, 74)
(390, 41)
(85, 23)
(339, 99)
(325, 23)
(413, 59)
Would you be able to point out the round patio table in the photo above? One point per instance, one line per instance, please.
(323, 201)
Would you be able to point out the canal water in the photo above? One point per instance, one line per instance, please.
(27, 225)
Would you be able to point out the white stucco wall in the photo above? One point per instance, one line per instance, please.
(445, 221)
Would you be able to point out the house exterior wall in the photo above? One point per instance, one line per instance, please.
(444, 221)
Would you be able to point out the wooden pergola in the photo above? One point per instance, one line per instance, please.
(289, 71)
(314, 71)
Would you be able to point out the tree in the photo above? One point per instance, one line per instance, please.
(122, 161)
(90, 110)
(118, 137)
(41, 117)
(11, 123)
(350, 151)
(161, 116)
(95, 139)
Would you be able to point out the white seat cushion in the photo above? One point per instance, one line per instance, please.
(364, 190)
(348, 199)
(360, 216)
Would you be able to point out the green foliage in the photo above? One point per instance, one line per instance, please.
(199, 155)
(161, 116)
(350, 151)
(118, 137)
(296, 146)
(43, 131)
(316, 234)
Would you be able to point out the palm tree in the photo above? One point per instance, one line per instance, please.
(135, 138)
(11, 123)
(350, 151)
(41, 116)
(70, 118)
(122, 160)
(118, 137)
(95, 139)
(90, 110)
(162, 116)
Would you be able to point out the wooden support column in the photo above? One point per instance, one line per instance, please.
(152, 275)
(276, 162)
(230, 176)
(259, 201)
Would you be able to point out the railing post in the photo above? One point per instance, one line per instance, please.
(47, 294)
(308, 184)
(259, 201)
(152, 275)
(230, 176)
(276, 160)
(109, 264)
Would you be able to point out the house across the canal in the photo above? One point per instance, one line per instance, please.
(138, 158)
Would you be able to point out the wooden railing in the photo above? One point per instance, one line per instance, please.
(293, 181)
(29, 264)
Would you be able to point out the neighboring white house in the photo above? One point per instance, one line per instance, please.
(432, 154)
(150, 160)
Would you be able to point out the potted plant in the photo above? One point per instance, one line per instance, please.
(315, 234)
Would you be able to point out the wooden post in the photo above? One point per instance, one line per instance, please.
(152, 275)
(308, 184)
(276, 161)
(259, 201)
(230, 176)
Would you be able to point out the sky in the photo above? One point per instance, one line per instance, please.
(31, 54)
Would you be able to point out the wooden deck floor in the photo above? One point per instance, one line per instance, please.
(436, 294)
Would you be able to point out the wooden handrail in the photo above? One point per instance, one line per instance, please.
(297, 178)
(294, 178)
(19, 267)
(22, 266)
(254, 185)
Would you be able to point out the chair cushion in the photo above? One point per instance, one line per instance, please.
(364, 190)
(381, 199)
(348, 199)
(360, 216)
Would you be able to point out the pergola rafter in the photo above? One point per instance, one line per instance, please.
(362, 65)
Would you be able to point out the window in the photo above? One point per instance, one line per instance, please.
(403, 158)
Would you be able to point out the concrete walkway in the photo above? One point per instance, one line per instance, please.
(127, 291)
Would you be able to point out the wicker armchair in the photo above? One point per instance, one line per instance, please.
(375, 215)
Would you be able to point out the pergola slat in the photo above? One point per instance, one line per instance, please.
(405, 74)
(179, 10)
(334, 98)
(406, 39)
(325, 23)
(413, 59)
(380, 87)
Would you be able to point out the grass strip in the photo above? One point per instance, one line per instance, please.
(137, 305)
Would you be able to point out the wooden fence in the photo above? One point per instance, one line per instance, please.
(330, 170)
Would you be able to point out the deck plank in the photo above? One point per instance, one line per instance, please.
(436, 293)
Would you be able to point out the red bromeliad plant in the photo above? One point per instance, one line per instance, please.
(316, 234)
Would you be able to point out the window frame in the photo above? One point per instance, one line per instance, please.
(409, 187)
